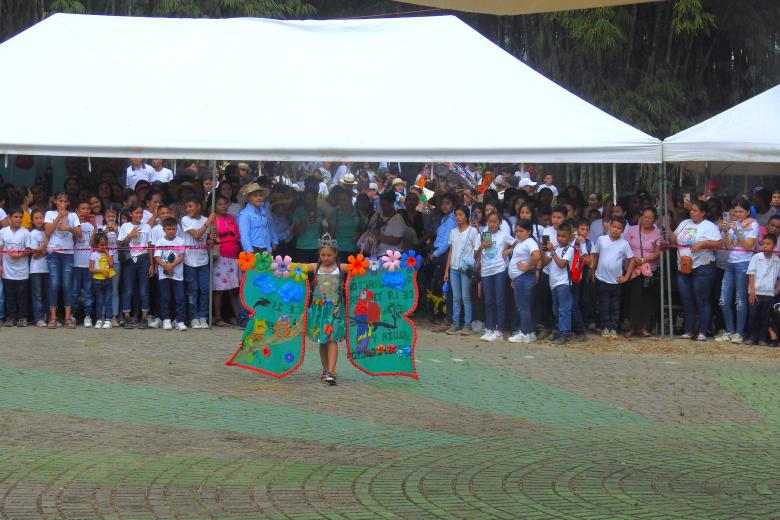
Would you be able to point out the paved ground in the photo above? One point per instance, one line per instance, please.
(96, 424)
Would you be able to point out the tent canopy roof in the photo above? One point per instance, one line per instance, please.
(514, 7)
(746, 133)
(407, 89)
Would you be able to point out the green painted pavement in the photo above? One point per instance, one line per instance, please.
(758, 387)
(55, 393)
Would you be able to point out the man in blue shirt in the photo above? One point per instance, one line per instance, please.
(254, 223)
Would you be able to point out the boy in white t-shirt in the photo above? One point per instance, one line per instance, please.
(196, 262)
(169, 256)
(559, 260)
(81, 278)
(14, 241)
(609, 254)
(763, 286)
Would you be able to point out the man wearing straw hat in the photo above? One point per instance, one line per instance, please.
(254, 221)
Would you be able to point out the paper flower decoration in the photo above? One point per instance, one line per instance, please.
(265, 283)
(373, 264)
(391, 260)
(291, 292)
(289, 357)
(246, 261)
(411, 260)
(357, 265)
(266, 351)
(328, 330)
(281, 266)
(264, 261)
(395, 281)
(380, 349)
(391, 349)
(299, 271)
(407, 351)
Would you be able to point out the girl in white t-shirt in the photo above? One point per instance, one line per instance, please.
(522, 272)
(39, 269)
(739, 237)
(492, 266)
(136, 268)
(61, 227)
(463, 242)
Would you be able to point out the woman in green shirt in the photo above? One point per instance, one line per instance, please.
(345, 224)
(307, 226)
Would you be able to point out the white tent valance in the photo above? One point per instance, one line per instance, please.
(746, 133)
(408, 89)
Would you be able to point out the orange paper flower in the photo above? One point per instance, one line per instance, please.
(357, 265)
(246, 261)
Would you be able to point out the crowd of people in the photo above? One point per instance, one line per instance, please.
(508, 254)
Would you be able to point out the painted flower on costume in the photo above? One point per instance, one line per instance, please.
(289, 357)
(391, 260)
(357, 265)
(265, 283)
(391, 349)
(266, 351)
(299, 271)
(380, 349)
(328, 330)
(291, 292)
(246, 261)
(264, 260)
(394, 280)
(281, 266)
(411, 260)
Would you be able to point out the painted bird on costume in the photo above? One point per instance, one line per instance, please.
(366, 314)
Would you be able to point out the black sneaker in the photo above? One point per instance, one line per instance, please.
(10, 323)
(143, 324)
(130, 324)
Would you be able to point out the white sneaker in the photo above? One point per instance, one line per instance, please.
(530, 338)
(167, 325)
(98, 324)
(180, 325)
(88, 322)
(612, 334)
(196, 324)
(496, 335)
(518, 337)
(107, 324)
(605, 333)
(725, 336)
(488, 333)
(701, 337)
(686, 336)
(153, 322)
(736, 338)
(204, 323)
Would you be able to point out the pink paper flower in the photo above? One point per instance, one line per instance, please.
(281, 266)
(391, 260)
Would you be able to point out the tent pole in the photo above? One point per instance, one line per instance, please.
(614, 184)
(667, 259)
(662, 208)
(211, 256)
(174, 167)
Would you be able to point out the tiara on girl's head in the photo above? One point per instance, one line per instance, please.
(328, 241)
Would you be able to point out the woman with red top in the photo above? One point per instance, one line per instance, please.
(225, 273)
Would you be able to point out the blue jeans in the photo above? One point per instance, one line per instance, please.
(41, 295)
(609, 304)
(562, 302)
(493, 291)
(197, 281)
(171, 299)
(60, 276)
(103, 290)
(82, 281)
(695, 296)
(135, 273)
(735, 289)
(524, 286)
(461, 296)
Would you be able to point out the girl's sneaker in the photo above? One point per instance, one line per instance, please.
(107, 324)
(496, 335)
(530, 337)
(466, 330)
(518, 337)
(612, 334)
(40, 324)
(736, 338)
(195, 323)
(454, 329)
(99, 324)
(488, 333)
(181, 326)
(605, 333)
(329, 378)
(87, 321)
(701, 337)
(723, 337)
(167, 325)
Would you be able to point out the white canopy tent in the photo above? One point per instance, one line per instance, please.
(514, 7)
(407, 89)
(744, 140)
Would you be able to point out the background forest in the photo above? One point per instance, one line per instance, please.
(660, 67)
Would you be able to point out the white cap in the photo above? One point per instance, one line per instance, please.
(526, 182)
(373, 186)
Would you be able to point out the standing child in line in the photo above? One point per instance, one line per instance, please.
(522, 271)
(492, 266)
(136, 269)
(101, 265)
(559, 260)
(463, 241)
(609, 253)
(581, 289)
(169, 257)
(763, 287)
(110, 228)
(14, 241)
(325, 318)
(543, 298)
(196, 262)
(39, 270)
(225, 277)
(81, 277)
